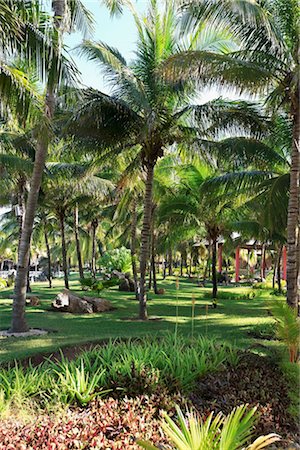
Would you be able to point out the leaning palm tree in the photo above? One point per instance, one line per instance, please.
(268, 64)
(144, 112)
(58, 72)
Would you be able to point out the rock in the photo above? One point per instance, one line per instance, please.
(124, 285)
(99, 304)
(119, 275)
(32, 300)
(161, 291)
(67, 301)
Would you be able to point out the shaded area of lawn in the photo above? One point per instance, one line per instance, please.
(230, 322)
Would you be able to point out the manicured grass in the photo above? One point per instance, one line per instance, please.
(230, 322)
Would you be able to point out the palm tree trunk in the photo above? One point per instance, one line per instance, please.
(78, 249)
(48, 258)
(150, 276)
(293, 211)
(94, 246)
(279, 268)
(133, 247)
(263, 262)
(21, 211)
(214, 268)
(18, 323)
(170, 262)
(155, 290)
(164, 268)
(64, 248)
(145, 238)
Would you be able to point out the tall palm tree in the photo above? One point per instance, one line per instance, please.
(267, 63)
(144, 112)
(57, 72)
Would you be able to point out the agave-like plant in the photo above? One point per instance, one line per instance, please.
(287, 327)
(218, 432)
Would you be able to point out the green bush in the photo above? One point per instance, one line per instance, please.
(118, 259)
(3, 283)
(94, 284)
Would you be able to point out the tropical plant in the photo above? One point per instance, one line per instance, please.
(145, 113)
(287, 327)
(268, 64)
(230, 432)
(118, 259)
(97, 285)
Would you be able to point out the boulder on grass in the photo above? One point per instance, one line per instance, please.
(68, 301)
(161, 291)
(32, 300)
(99, 304)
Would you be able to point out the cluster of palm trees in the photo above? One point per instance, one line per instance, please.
(149, 163)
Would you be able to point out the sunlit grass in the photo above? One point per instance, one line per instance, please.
(230, 322)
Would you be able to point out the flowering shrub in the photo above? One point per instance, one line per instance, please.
(106, 424)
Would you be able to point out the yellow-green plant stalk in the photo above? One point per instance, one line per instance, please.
(193, 314)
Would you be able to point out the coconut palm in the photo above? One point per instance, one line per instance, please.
(267, 63)
(190, 206)
(146, 113)
(67, 185)
(58, 72)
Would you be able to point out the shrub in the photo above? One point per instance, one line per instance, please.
(287, 327)
(97, 285)
(118, 259)
(230, 432)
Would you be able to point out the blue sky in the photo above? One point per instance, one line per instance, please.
(118, 32)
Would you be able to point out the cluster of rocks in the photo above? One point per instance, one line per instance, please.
(126, 283)
(67, 301)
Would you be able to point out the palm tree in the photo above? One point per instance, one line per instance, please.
(58, 71)
(190, 206)
(267, 63)
(67, 185)
(144, 112)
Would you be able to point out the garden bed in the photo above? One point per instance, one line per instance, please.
(142, 378)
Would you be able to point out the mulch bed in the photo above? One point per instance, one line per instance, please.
(257, 381)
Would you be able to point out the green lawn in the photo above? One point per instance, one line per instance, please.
(230, 322)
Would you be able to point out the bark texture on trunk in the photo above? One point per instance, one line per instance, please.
(18, 323)
(214, 268)
(48, 258)
(145, 240)
(293, 211)
(64, 248)
(18, 315)
(78, 249)
(94, 246)
(133, 247)
(21, 210)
